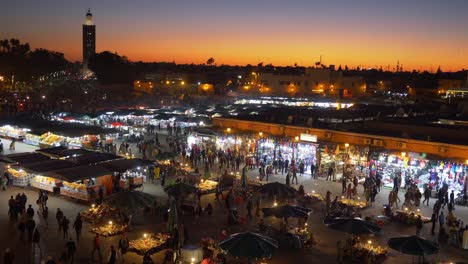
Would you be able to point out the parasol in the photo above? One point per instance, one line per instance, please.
(287, 211)
(250, 245)
(130, 201)
(413, 245)
(353, 226)
(180, 189)
(278, 189)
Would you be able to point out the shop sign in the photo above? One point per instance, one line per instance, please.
(308, 138)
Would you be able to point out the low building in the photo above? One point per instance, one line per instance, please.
(314, 81)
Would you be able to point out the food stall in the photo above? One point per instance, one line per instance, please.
(132, 172)
(207, 186)
(45, 183)
(9, 131)
(355, 204)
(19, 177)
(103, 213)
(149, 243)
(409, 217)
(365, 253)
(81, 182)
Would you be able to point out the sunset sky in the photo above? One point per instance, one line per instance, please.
(421, 34)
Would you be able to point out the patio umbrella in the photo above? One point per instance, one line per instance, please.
(353, 226)
(179, 189)
(287, 211)
(278, 189)
(250, 245)
(413, 245)
(131, 201)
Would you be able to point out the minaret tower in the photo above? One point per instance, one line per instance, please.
(89, 40)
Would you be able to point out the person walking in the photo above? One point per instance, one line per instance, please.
(78, 225)
(71, 249)
(349, 192)
(65, 226)
(30, 211)
(427, 195)
(249, 208)
(343, 184)
(441, 220)
(59, 217)
(112, 259)
(312, 171)
(294, 175)
(288, 179)
(433, 221)
(123, 245)
(45, 215)
(96, 247)
(452, 199)
(30, 226)
(330, 173)
(419, 225)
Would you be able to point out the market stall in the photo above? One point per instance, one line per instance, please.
(130, 172)
(207, 186)
(149, 243)
(418, 169)
(269, 149)
(81, 182)
(364, 252)
(19, 177)
(103, 213)
(341, 158)
(409, 217)
(24, 173)
(15, 132)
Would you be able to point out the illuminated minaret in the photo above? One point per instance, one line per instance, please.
(89, 40)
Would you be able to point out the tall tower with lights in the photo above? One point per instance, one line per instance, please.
(89, 40)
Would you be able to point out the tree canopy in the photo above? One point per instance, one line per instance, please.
(18, 60)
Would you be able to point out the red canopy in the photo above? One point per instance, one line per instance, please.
(116, 124)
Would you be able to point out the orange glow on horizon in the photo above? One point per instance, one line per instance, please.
(304, 49)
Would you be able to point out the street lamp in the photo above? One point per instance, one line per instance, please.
(260, 133)
(228, 130)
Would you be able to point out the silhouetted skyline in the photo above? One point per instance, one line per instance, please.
(420, 34)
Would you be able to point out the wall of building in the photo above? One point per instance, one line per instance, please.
(315, 81)
(391, 143)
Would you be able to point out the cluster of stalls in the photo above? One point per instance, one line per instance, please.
(356, 160)
(45, 134)
(135, 121)
(75, 173)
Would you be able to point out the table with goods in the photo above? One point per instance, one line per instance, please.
(149, 243)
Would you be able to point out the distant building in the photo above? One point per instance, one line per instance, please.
(315, 81)
(164, 84)
(89, 40)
